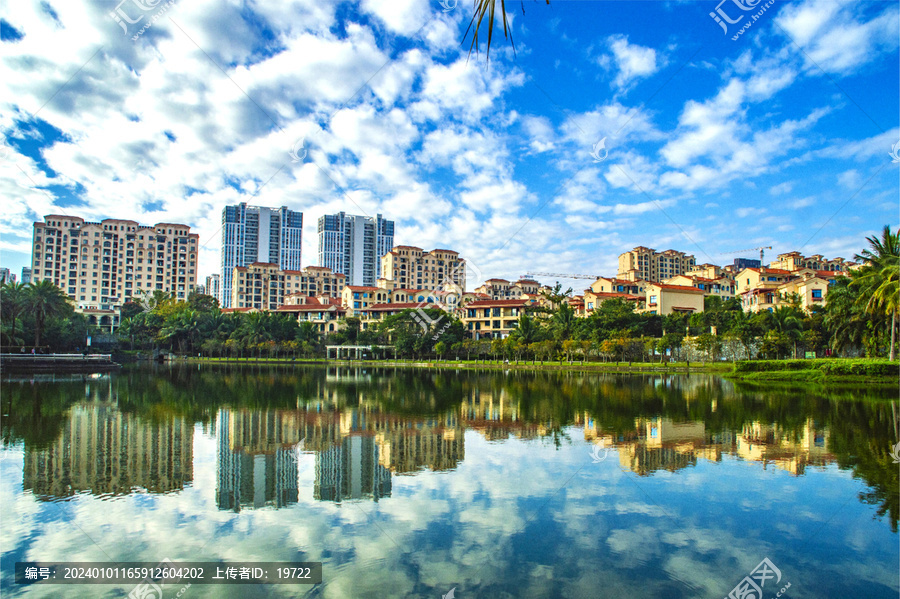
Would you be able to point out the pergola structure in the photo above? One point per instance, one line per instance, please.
(352, 352)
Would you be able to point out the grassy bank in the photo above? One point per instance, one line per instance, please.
(845, 370)
(823, 371)
(710, 367)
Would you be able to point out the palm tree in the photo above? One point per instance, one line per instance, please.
(487, 8)
(788, 321)
(878, 279)
(255, 329)
(13, 298)
(526, 330)
(44, 299)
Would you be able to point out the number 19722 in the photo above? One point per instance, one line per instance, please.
(294, 572)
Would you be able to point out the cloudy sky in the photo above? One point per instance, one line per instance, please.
(613, 124)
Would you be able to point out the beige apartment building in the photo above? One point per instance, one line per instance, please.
(795, 261)
(323, 312)
(264, 286)
(769, 289)
(667, 299)
(102, 265)
(722, 287)
(407, 266)
(499, 289)
(492, 319)
(648, 264)
(357, 298)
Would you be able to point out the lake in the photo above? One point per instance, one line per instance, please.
(434, 483)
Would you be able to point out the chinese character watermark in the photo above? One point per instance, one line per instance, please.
(751, 587)
(722, 17)
(895, 152)
(134, 13)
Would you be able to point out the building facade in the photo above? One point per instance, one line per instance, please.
(26, 275)
(666, 299)
(102, 265)
(213, 287)
(792, 261)
(6, 276)
(265, 286)
(353, 245)
(648, 264)
(258, 234)
(408, 266)
(493, 319)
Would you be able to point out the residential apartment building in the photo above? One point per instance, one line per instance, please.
(792, 261)
(667, 299)
(213, 287)
(408, 266)
(102, 265)
(648, 264)
(323, 313)
(6, 276)
(26, 275)
(356, 298)
(499, 289)
(258, 234)
(768, 288)
(264, 286)
(493, 319)
(722, 287)
(353, 245)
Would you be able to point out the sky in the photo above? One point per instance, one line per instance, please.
(609, 125)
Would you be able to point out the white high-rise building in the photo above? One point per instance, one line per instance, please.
(26, 275)
(353, 245)
(258, 234)
(213, 287)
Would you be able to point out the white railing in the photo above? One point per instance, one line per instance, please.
(57, 357)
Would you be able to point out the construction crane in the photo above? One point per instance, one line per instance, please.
(558, 275)
(761, 252)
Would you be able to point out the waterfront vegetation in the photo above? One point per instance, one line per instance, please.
(860, 319)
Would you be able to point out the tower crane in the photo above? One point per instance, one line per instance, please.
(761, 252)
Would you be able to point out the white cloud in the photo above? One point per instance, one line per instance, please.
(632, 61)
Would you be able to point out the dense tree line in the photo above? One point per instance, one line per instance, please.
(860, 318)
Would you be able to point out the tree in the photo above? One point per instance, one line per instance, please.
(44, 300)
(13, 301)
(487, 8)
(878, 279)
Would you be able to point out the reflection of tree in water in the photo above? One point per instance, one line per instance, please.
(860, 421)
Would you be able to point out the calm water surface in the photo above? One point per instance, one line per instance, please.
(412, 483)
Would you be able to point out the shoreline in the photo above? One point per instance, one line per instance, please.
(728, 370)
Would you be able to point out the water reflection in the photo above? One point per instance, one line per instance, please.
(104, 451)
(119, 434)
(663, 444)
(409, 483)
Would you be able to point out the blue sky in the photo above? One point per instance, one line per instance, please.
(711, 144)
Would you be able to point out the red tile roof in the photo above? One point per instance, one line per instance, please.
(499, 303)
(360, 288)
(679, 288)
(397, 306)
(307, 308)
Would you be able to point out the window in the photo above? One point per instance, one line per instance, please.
(817, 293)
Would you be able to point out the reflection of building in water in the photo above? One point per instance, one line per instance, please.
(493, 414)
(357, 450)
(351, 471)
(106, 451)
(792, 451)
(662, 444)
(257, 458)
